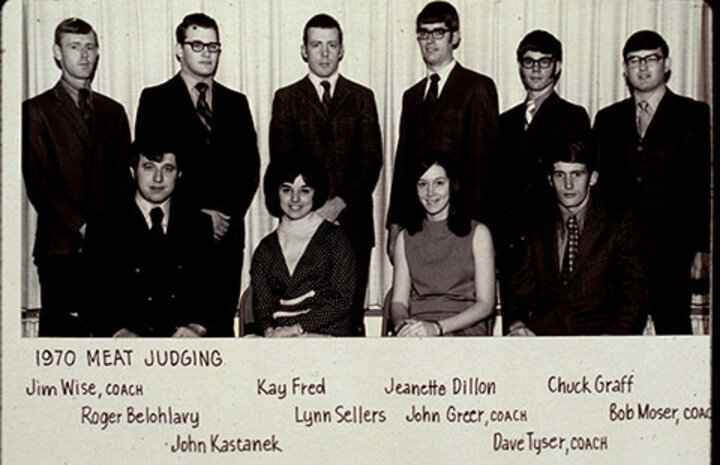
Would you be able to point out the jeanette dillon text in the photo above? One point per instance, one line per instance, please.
(215, 443)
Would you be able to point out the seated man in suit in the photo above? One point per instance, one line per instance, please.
(335, 120)
(452, 110)
(582, 272)
(145, 257)
(528, 132)
(654, 148)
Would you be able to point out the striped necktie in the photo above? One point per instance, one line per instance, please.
(529, 112)
(202, 106)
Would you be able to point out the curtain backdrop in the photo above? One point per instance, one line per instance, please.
(261, 52)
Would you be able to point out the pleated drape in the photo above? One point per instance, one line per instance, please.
(261, 52)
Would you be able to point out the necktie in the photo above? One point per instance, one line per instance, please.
(202, 106)
(571, 249)
(431, 98)
(529, 112)
(156, 217)
(326, 96)
(643, 117)
(84, 106)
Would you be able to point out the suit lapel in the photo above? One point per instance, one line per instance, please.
(68, 108)
(662, 112)
(550, 248)
(594, 227)
(341, 93)
(310, 95)
(449, 90)
(185, 103)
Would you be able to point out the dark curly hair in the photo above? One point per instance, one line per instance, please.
(287, 169)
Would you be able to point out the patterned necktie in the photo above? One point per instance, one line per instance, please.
(202, 106)
(529, 112)
(156, 217)
(326, 96)
(84, 106)
(643, 117)
(571, 249)
(431, 98)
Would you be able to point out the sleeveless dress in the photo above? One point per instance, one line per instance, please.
(442, 274)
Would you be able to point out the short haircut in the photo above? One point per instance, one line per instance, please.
(154, 151)
(439, 12)
(287, 169)
(195, 19)
(74, 26)
(322, 21)
(645, 40)
(458, 222)
(540, 41)
(576, 151)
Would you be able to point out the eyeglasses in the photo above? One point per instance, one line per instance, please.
(198, 46)
(650, 60)
(437, 34)
(544, 62)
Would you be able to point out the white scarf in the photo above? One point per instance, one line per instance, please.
(294, 236)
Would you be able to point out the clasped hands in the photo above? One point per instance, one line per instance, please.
(417, 328)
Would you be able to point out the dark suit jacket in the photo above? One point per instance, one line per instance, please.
(347, 139)
(137, 283)
(607, 291)
(523, 188)
(463, 124)
(220, 172)
(71, 172)
(664, 179)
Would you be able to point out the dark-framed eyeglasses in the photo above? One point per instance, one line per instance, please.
(436, 34)
(544, 62)
(650, 60)
(198, 46)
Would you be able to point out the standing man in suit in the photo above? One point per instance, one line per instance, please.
(75, 144)
(452, 110)
(145, 255)
(213, 126)
(582, 272)
(529, 133)
(654, 150)
(335, 120)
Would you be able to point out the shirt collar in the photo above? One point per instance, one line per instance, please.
(317, 80)
(443, 72)
(653, 99)
(146, 206)
(579, 214)
(75, 92)
(191, 81)
(540, 98)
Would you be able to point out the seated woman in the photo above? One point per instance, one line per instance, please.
(303, 273)
(444, 276)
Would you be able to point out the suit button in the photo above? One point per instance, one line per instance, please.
(639, 148)
(172, 296)
(137, 270)
(179, 267)
(149, 299)
(639, 179)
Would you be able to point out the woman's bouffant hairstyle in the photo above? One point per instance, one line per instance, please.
(458, 221)
(287, 169)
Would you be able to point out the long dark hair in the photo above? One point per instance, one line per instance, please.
(458, 221)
